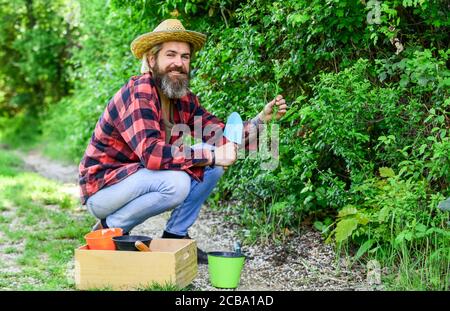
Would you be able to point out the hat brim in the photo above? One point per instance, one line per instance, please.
(144, 42)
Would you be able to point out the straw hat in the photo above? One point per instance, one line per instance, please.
(168, 30)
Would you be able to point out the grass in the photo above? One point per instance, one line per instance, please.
(40, 226)
(154, 286)
(163, 287)
(410, 265)
(418, 269)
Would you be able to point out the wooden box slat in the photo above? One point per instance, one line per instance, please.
(170, 261)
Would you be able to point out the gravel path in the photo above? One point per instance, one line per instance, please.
(303, 262)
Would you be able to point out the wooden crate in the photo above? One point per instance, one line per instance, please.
(171, 261)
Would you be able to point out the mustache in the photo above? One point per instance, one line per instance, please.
(176, 68)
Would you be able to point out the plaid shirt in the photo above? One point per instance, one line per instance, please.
(130, 135)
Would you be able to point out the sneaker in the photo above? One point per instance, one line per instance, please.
(168, 235)
(202, 256)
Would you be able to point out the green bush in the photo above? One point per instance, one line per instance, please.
(34, 40)
(22, 130)
(397, 221)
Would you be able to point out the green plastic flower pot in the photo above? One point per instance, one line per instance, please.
(225, 268)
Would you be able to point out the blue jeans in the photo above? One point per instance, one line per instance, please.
(147, 193)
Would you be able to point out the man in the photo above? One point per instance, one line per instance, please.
(134, 166)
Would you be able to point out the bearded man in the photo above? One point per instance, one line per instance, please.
(134, 166)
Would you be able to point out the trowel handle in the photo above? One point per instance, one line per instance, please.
(237, 247)
(141, 246)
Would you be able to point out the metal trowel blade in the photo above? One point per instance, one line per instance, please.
(234, 128)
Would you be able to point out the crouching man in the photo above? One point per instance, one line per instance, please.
(134, 168)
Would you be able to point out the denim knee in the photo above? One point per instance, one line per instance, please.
(95, 209)
(177, 188)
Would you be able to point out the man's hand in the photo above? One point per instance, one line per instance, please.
(226, 154)
(266, 114)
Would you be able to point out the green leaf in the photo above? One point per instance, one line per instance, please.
(386, 172)
(298, 19)
(347, 210)
(404, 235)
(345, 228)
(364, 248)
(404, 82)
(421, 227)
(383, 214)
(318, 225)
(278, 207)
(363, 219)
(308, 199)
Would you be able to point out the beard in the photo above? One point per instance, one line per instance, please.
(172, 87)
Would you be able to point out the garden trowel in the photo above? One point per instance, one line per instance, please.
(234, 128)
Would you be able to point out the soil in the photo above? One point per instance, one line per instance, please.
(302, 262)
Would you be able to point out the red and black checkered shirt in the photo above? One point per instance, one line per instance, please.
(130, 135)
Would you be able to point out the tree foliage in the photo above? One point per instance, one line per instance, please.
(35, 38)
